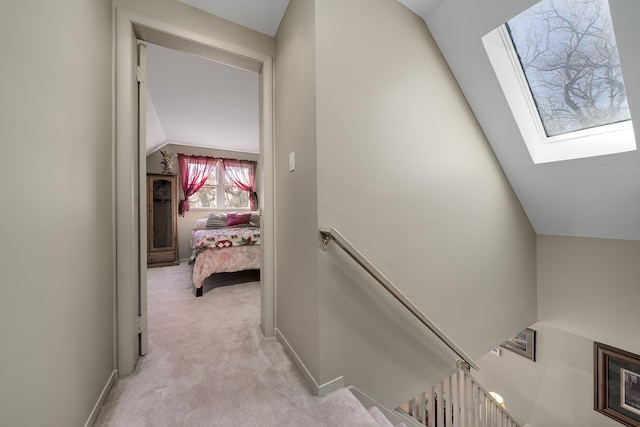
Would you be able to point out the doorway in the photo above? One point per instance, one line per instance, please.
(128, 156)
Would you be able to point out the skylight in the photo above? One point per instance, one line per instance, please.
(558, 66)
(568, 54)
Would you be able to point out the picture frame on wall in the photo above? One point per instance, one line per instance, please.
(617, 384)
(523, 343)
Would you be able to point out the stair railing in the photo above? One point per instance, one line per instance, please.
(331, 234)
(458, 401)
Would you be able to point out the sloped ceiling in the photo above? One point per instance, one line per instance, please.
(260, 15)
(199, 102)
(592, 197)
(421, 7)
(156, 137)
(265, 15)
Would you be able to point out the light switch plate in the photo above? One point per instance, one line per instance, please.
(292, 161)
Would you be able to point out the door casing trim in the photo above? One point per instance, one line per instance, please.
(129, 27)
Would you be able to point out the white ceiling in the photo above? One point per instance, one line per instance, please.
(593, 197)
(199, 102)
(265, 15)
(260, 15)
(421, 7)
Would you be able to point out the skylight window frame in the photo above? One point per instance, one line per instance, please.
(597, 141)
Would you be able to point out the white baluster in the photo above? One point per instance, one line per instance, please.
(455, 394)
(463, 398)
(459, 401)
(412, 408)
(432, 407)
(485, 410)
(450, 408)
(476, 405)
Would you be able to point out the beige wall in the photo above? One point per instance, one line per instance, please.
(296, 196)
(591, 288)
(406, 174)
(185, 224)
(587, 291)
(56, 297)
(556, 390)
(381, 130)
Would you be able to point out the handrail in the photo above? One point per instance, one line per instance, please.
(330, 233)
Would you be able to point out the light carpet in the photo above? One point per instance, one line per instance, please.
(210, 365)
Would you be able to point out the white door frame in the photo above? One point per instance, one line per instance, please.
(127, 165)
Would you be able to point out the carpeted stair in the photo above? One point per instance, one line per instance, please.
(382, 421)
(382, 416)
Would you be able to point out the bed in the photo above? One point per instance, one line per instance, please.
(220, 248)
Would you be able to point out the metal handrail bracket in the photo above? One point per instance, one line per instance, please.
(331, 234)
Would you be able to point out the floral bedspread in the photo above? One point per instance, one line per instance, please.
(223, 238)
(232, 259)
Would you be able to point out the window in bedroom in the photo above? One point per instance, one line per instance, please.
(207, 195)
(558, 65)
(226, 196)
(234, 197)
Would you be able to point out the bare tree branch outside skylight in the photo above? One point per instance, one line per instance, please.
(568, 52)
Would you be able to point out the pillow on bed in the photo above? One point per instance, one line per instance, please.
(200, 224)
(216, 220)
(238, 219)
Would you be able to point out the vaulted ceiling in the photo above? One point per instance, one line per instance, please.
(199, 102)
(591, 197)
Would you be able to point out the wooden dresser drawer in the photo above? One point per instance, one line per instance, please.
(154, 257)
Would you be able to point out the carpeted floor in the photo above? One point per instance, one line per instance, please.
(210, 365)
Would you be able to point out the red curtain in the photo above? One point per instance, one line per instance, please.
(243, 175)
(194, 172)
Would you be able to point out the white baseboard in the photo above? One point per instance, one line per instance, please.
(105, 391)
(318, 390)
(331, 386)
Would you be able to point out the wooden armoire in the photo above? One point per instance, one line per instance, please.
(162, 220)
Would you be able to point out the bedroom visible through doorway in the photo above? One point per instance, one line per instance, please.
(201, 133)
(130, 254)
